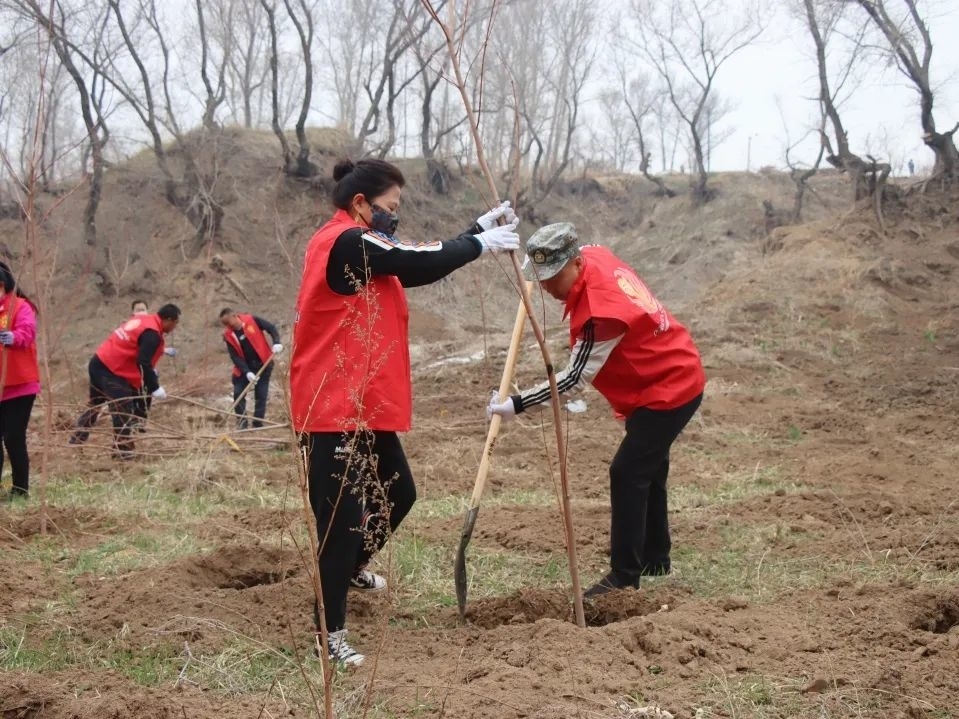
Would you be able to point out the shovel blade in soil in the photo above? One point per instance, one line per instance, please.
(459, 568)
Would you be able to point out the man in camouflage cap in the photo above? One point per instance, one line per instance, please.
(644, 363)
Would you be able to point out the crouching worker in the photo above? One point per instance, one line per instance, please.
(122, 367)
(644, 363)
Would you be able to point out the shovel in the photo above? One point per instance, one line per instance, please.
(459, 569)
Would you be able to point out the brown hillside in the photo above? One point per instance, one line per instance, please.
(147, 249)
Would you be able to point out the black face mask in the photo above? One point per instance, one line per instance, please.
(383, 220)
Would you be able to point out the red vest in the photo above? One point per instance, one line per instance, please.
(350, 361)
(655, 365)
(22, 364)
(119, 351)
(254, 334)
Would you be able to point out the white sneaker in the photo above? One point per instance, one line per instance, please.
(366, 581)
(341, 652)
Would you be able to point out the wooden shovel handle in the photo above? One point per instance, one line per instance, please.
(512, 355)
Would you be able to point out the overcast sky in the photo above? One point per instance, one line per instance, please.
(881, 114)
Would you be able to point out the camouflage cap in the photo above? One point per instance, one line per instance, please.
(549, 249)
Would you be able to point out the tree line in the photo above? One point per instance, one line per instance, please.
(92, 82)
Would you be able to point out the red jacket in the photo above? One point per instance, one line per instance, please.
(656, 364)
(21, 360)
(350, 362)
(254, 334)
(120, 350)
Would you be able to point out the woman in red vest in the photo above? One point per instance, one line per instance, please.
(644, 363)
(19, 377)
(350, 371)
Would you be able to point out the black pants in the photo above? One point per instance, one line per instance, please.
(14, 418)
(639, 527)
(261, 391)
(122, 400)
(361, 488)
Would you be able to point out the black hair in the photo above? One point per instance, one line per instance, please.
(139, 302)
(365, 177)
(169, 312)
(226, 311)
(10, 284)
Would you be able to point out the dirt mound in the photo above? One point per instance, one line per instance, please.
(65, 522)
(256, 591)
(531, 605)
(107, 696)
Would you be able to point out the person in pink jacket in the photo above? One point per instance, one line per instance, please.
(19, 378)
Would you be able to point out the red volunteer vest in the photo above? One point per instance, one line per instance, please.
(22, 364)
(254, 334)
(119, 351)
(655, 365)
(350, 362)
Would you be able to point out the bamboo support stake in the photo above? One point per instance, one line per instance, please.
(537, 330)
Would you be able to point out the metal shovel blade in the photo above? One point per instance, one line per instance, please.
(459, 568)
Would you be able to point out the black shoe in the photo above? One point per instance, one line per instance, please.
(366, 581)
(14, 494)
(609, 583)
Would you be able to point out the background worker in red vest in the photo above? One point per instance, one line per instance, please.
(644, 363)
(249, 350)
(122, 367)
(140, 307)
(19, 378)
(350, 371)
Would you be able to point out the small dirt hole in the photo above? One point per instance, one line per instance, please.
(942, 616)
(252, 578)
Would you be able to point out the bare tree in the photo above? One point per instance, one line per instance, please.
(544, 82)
(869, 177)
(639, 97)
(269, 7)
(90, 93)
(799, 172)
(911, 47)
(301, 16)
(215, 95)
(688, 42)
(248, 63)
(619, 136)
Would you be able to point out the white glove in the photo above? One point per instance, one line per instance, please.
(159, 393)
(506, 410)
(501, 238)
(251, 377)
(277, 348)
(170, 351)
(488, 221)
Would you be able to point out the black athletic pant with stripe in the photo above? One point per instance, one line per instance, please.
(639, 526)
(361, 488)
(14, 418)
